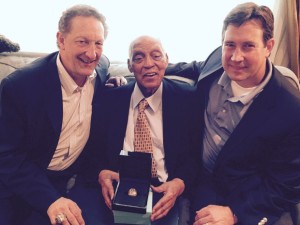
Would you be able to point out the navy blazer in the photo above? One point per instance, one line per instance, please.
(109, 128)
(257, 171)
(31, 112)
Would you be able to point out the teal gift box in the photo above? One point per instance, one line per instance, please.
(135, 173)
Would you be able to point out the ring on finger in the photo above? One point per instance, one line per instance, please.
(59, 219)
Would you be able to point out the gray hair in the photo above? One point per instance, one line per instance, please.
(142, 37)
(64, 24)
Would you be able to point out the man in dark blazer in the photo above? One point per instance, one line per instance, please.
(43, 129)
(170, 123)
(251, 137)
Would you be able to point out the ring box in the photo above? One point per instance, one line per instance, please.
(134, 172)
(124, 217)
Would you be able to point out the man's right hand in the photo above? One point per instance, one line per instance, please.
(67, 208)
(116, 81)
(106, 178)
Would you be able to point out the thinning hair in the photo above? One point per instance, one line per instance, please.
(144, 37)
(64, 24)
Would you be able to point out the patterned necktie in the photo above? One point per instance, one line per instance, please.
(142, 137)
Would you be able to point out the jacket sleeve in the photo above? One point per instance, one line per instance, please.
(194, 69)
(279, 188)
(18, 173)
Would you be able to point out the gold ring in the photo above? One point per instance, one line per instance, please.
(59, 219)
(132, 192)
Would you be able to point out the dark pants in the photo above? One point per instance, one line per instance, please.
(14, 211)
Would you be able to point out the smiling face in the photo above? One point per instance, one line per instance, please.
(244, 53)
(148, 62)
(81, 48)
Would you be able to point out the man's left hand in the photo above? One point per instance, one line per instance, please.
(171, 190)
(214, 215)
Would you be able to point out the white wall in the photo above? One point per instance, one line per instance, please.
(189, 29)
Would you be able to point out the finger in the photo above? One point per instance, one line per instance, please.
(109, 189)
(106, 197)
(123, 81)
(70, 219)
(73, 215)
(53, 213)
(109, 85)
(66, 222)
(160, 204)
(202, 217)
(162, 207)
(118, 81)
(77, 214)
(158, 189)
(161, 212)
(52, 219)
(111, 194)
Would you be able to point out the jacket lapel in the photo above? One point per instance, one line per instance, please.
(119, 114)
(170, 117)
(257, 113)
(54, 95)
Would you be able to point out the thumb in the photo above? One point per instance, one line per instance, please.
(158, 189)
(115, 176)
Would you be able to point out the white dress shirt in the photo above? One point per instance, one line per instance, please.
(154, 115)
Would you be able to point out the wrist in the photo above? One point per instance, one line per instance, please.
(179, 183)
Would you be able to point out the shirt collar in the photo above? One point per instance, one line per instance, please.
(224, 81)
(154, 100)
(66, 80)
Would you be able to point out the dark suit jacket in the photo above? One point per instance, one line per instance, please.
(30, 124)
(257, 171)
(109, 129)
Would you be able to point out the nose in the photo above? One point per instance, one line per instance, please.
(237, 55)
(91, 52)
(148, 62)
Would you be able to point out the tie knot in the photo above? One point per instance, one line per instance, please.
(143, 105)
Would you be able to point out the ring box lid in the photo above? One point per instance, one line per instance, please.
(134, 172)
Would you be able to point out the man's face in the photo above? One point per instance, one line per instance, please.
(244, 53)
(81, 48)
(148, 62)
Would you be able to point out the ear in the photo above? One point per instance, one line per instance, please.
(60, 40)
(167, 58)
(269, 46)
(129, 66)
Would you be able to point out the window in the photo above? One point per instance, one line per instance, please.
(189, 29)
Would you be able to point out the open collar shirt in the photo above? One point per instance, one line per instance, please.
(77, 112)
(223, 113)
